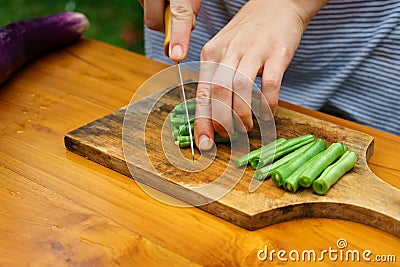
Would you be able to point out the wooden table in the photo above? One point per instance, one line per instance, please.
(60, 209)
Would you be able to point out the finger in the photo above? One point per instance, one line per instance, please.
(196, 4)
(204, 130)
(203, 127)
(273, 71)
(243, 83)
(181, 27)
(154, 14)
(221, 99)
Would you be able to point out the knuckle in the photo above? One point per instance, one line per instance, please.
(181, 12)
(271, 82)
(285, 53)
(240, 82)
(203, 111)
(202, 93)
(219, 90)
(208, 51)
(203, 96)
(152, 24)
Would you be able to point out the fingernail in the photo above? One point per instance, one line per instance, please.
(205, 143)
(176, 53)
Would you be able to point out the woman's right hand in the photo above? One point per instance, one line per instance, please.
(183, 21)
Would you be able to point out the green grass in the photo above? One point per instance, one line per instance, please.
(118, 22)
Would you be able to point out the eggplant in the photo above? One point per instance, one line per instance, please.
(25, 40)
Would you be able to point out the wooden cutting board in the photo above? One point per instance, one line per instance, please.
(136, 142)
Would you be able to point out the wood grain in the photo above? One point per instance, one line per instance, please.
(139, 131)
(49, 195)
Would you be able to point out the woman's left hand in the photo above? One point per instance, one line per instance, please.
(259, 41)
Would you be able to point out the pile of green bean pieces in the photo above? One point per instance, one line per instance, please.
(180, 127)
(300, 161)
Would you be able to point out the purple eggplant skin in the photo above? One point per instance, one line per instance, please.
(25, 40)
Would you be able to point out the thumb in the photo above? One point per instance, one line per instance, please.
(182, 16)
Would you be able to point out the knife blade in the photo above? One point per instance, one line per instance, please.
(167, 23)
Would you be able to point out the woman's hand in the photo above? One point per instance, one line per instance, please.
(259, 41)
(183, 21)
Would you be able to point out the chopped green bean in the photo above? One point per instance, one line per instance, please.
(182, 144)
(256, 153)
(279, 175)
(184, 140)
(265, 171)
(291, 183)
(333, 152)
(179, 119)
(281, 150)
(183, 128)
(180, 108)
(220, 139)
(334, 172)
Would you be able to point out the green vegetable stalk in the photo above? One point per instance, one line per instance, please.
(334, 172)
(184, 140)
(180, 108)
(180, 129)
(286, 147)
(292, 182)
(266, 171)
(333, 152)
(256, 153)
(279, 175)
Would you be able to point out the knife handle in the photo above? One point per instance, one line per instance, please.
(167, 23)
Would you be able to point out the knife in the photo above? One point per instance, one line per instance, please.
(167, 23)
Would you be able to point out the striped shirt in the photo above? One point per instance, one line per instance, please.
(348, 58)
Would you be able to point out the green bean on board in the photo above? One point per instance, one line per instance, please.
(265, 171)
(286, 147)
(279, 175)
(180, 129)
(180, 108)
(291, 183)
(332, 153)
(334, 172)
(256, 153)
(302, 161)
